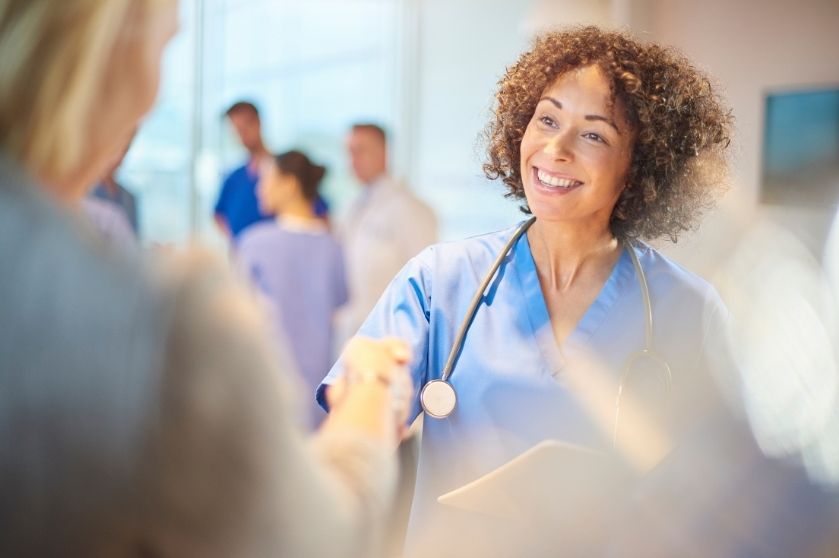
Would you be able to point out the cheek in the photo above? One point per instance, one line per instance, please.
(144, 59)
(132, 85)
(148, 76)
(275, 192)
(527, 146)
(622, 170)
(609, 166)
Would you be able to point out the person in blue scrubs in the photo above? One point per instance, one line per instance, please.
(297, 265)
(237, 206)
(606, 141)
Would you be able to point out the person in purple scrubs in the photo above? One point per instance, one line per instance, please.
(297, 264)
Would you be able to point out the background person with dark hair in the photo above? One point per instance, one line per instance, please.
(297, 265)
(237, 207)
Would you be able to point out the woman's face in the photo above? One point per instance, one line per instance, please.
(275, 189)
(576, 151)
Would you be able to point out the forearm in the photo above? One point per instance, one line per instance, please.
(233, 474)
(365, 409)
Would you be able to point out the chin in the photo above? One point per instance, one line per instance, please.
(546, 212)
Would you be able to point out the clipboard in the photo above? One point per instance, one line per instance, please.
(552, 483)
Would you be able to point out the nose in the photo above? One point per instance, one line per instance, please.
(560, 146)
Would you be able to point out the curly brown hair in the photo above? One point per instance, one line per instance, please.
(682, 127)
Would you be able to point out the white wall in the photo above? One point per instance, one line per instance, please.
(464, 47)
(751, 47)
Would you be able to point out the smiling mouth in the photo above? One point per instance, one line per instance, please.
(550, 181)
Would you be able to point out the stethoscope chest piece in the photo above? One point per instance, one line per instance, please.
(438, 399)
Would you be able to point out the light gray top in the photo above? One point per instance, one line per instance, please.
(144, 407)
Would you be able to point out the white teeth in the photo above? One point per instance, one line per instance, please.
(555, 182)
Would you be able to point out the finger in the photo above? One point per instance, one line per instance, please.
(399, 349)
(335, 392)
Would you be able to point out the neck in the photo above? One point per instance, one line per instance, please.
(257, 155)
(68, 189)
(565, 252)
(299, 210)
(376, 180)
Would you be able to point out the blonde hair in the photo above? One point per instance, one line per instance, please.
(53, 60)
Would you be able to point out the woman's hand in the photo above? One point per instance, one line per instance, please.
(375, 390)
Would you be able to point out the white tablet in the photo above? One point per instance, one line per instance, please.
(549, 481)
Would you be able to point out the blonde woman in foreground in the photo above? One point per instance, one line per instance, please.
(143, 409)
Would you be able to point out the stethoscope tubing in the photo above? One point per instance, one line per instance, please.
(478, 297)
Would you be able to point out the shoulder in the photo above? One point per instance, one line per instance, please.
(100, 211)
(236, 175)
(670, 279)
(393, 192)
(480, 250)
(109, 219)
(258, 234)
(65, 275)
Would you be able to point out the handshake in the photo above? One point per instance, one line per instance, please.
(375, 391)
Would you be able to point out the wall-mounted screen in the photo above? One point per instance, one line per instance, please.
(801, 148)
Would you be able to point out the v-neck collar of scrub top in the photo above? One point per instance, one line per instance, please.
(528, 279)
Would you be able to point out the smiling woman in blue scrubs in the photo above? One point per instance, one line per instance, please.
(607, 141)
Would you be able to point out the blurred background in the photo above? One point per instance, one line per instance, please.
(426, 70)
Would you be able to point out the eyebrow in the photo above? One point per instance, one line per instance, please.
(608, 121)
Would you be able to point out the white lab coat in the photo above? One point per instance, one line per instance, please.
(385, 227)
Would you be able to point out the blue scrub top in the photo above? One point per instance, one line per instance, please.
(509, 380)
(238, 203)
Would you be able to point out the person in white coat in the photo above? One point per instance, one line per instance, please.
(385, 227)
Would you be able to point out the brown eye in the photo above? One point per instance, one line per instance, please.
(595, 137)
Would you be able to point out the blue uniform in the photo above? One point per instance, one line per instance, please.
(509, 381)
(238, 203)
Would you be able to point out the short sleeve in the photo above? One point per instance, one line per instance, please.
(403, 311)
(221, 203)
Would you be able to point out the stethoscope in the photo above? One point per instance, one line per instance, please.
(439, 398)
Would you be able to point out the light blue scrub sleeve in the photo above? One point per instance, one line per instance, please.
(403, 311)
